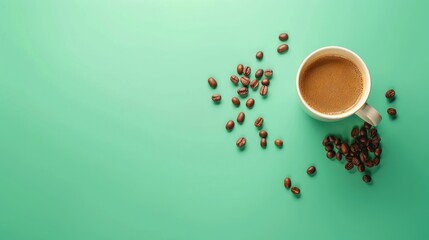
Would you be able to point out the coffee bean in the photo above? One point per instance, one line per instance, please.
(369, 164)
(263, 142)
(254, 84)
(240, 117)
(361, 168)
(229, 125)
(259, 122)
(250, 102)
(377, 152)
(367, 125)
(265, 82)
(283, 36)
(268, 73)
(348, 166)
(373, 132)
(376, 161)
(243, 91)
(240, 69)
(366, 178)
(216, 97)
(278, 143)
(325, 141)
(355, 132)
(329, 147)
(355, 161)
(376, 140)
(263, 134)
(390, 94)
(259, 73)
(247, 71)
(337, 141)
(295, 190)
(339, 156)
(331, 138)
(287, 183)
(391, 111)
(311, 170)
(362, 132)
(349, 157)
(370, 148)
(234, 79)
(212, 82)
(241, 142)
(363, 156)
(344, 148)
(259, 55)
(236, 101)
(245, 81)
(264, 90)
(330, 154)
(282, 48)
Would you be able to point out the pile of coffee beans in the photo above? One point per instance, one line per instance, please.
(390, 95)
(363, 152)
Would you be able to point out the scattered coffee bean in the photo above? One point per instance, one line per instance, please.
(376, 161)
(367, 125)
(245, 81)
(229, 125)
(325, 141)
(259, 122)
(377, 152)
(263, 134)
(331, 138)
(268, 73)
(240, 117)
(373, 132)
(259, 55)
(254, 84)
(250, 102)
(283, 36)
(247, 71)
(311, 170)
(344, 148)
(348, 166)
(241, 142)
(282, 48)
(330, 154)
(366, 178)
(362, 132)
(265, 82)
(263, 142)
(278, 143)
(263, 90)
(390, 94)
(216, 97)
(339, 156)
(234, 79)
(212, 82)
(259, 73)
(329, 147)
(243, 91)
(236, 101)
(355, 161)
(391, 111)
(295, 190)
(355, 132)
(240, 69)
(361, 168)
(287, 183)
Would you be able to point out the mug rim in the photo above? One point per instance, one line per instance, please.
(365, 92)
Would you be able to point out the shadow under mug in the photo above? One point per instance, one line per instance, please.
(362, 109)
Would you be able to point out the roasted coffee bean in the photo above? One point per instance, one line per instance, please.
(263, 142)
(240, 117)
(367, 125)
(265, 82)
(355, 132)
(330, 154)
(216, 97)
(349, 158)
(263, 90)
(390, 94)
(344, 148)
(355, 161)
(329, 147)
(370, 148)
(295, 190)
(376, 140)
(354, 147)
(243, 91)
(282, 48)
(339, 156)
(254, 84)
(247, 71)
(325, 141)
(348, 166)
(245, 81)
(259, 55)
(366, 178)
(263, 134)
(311, 170)
(331, 138)
(373, 132)
(337, 141)
(363, 156)
(268, 73)
(283, 36)
(391, 111)
(250, 102)
(287, 183)
(236, 101)
(240, 69)
(278, 143)
(361, 168)
(377, 152)
(362, 132)
(259, 122)
(234, 79)
(376, 161)
(259, 73)
(369, 164)
(229, 125)
(241, 142)
(212, 82)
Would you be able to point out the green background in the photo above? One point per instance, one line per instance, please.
(108, 130)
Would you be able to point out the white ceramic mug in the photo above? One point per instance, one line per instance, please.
(362, 109)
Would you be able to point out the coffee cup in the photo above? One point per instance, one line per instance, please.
(334, 83)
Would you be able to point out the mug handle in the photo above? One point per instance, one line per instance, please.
(369, 114)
